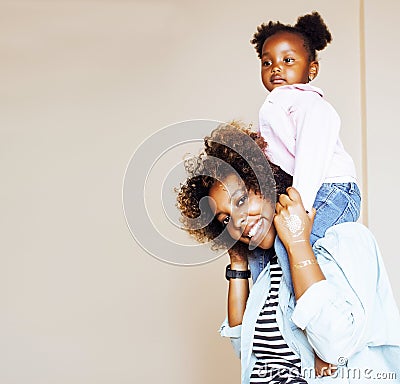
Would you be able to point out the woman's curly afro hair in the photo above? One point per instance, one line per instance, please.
(231, 148)
(310, 27)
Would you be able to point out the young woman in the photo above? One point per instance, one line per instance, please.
(344, 308)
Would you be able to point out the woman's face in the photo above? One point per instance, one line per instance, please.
(247, 216)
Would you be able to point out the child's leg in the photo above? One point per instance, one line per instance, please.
(335, 203)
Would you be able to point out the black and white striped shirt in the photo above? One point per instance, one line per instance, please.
(276, 363)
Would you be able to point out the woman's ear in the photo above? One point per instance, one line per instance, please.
(313, 70)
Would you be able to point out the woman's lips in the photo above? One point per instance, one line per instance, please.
(259, 233)
(254, 228)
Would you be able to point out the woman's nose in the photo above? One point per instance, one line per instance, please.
(239, 220)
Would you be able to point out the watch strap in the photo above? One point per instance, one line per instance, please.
(233, 274)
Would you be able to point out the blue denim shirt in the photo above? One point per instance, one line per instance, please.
(350, 319)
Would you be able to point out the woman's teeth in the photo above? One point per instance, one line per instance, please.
(255, 228)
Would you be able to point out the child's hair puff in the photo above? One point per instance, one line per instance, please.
(311, 27)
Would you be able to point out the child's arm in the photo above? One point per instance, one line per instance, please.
(317, 132)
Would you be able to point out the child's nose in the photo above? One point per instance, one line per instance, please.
(276, 68)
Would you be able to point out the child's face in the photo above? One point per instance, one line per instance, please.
(285, 61)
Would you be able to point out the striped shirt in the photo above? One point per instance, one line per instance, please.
(276, 363)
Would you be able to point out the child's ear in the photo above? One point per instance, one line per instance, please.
(313, 70)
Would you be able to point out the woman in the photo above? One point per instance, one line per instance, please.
(343, 307)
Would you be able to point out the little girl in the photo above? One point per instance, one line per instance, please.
(301, 127)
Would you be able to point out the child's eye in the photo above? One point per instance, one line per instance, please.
(266, 63)
(289, 60)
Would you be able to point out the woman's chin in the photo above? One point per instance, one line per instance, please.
(263, 241)
(268, 241)
(266, 245)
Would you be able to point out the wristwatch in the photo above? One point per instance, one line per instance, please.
(232, 274)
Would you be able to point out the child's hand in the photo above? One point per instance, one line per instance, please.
(293, 224)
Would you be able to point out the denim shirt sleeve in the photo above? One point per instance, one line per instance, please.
(234, 333)
(258, 260)
(335, 312)
(331, 322)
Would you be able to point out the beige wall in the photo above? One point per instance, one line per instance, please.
(83, 83)
(383, 135)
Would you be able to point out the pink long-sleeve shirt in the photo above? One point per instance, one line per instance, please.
(302, 131)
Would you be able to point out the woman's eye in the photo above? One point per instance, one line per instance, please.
(242, 200)
(226, 221)
(266, 63)
(289, 60)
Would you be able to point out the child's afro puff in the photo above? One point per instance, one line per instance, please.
(311, 27)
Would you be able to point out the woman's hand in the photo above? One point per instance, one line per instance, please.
(293, 224)
(322, 368)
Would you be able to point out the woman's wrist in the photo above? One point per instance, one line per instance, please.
(298, 247)
(237, 265)
(300, 250)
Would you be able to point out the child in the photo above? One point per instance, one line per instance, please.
(301, 127)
